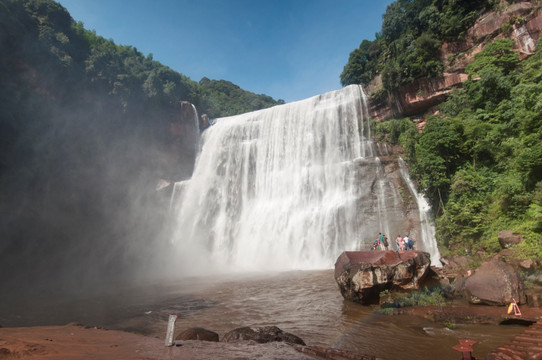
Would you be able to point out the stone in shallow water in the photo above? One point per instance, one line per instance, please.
(362, 275)
(262, 335)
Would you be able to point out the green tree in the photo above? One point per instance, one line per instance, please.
(438, 155)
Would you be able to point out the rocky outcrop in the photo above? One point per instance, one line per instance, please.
(197, 333)
(494, 283)
(181, 144)
(262, 335)
(363, 275)
(417, 97)
(524, 24)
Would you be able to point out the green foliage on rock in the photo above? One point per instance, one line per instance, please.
(480, 161)
(392, 131)
(408, 45)
(423, 297)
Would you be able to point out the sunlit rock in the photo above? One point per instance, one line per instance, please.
(495, 283)
(363, 275)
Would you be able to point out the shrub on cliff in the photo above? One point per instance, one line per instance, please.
(498, 180)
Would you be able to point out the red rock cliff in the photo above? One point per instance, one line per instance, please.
(421, 96)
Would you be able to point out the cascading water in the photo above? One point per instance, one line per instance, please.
(288, 187)
(427, 227)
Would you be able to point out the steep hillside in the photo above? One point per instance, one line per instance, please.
(520, 22)
(473, 139)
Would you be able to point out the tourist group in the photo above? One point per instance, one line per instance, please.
(401, 243)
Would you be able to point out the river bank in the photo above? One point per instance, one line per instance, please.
(75, 341)
(80, 342)
(472, 314)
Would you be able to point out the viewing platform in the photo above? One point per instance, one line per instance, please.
(525, 346)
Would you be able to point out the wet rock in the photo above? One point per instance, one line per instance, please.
(507, 238)
(262, 335)
(363, 275)
(204, 122)
(494, 283)
(198, 333)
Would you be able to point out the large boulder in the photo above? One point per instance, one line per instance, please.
(495, 283)
(261, 335)
(363, 275)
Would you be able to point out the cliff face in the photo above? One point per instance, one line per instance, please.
(421, 96)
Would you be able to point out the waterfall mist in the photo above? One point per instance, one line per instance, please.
(80, 207)
(290, 187)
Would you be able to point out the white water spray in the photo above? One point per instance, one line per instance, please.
(429, 243)
(289, 187)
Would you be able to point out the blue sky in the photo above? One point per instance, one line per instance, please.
(288, 49)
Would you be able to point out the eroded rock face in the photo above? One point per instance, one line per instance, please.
(197, 333)
(494, 283)
(262, 335)
(362, 275)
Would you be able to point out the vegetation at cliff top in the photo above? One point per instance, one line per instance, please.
(480, 160)
(408, 45)
(38, 31)
(223, 98)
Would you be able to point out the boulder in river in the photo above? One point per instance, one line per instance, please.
(261, 335)
(495, 283)
(363, 275)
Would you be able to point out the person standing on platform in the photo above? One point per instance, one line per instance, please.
(400, 243)
(407, 243)
(385, 242)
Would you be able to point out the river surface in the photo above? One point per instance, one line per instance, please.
(305, 303)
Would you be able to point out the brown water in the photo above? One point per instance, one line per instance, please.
(305, 303)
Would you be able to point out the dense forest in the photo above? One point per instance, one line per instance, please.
(479, 161)
(84, 138)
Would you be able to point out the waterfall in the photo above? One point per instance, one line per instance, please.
(428, 243)
(289, 187)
